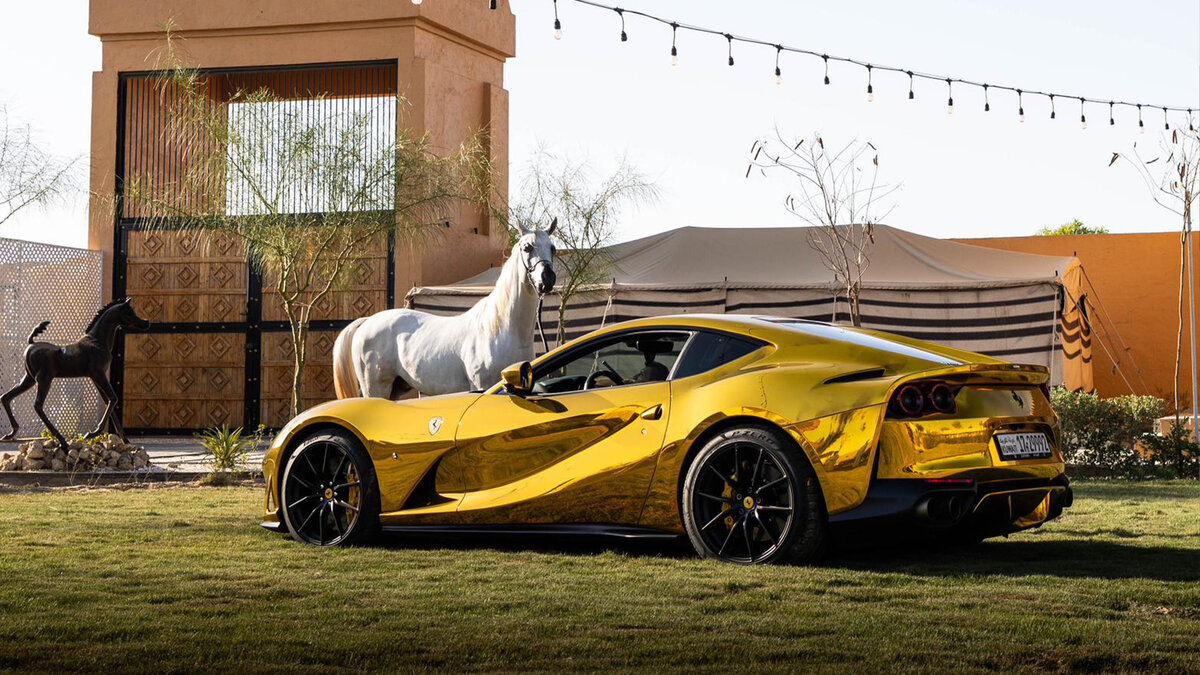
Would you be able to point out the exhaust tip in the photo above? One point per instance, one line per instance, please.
(941, 397)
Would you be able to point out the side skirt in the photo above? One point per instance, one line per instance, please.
(555, 530)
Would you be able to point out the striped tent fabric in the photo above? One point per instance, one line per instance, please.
(1018, 307)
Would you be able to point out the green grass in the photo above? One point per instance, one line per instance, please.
(183, 579)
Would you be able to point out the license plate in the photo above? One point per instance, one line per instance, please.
(1023, 446)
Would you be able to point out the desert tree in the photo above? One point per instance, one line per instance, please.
(1073, 227)
(307, 188)
(588, 208)
(838, 194)
(29, 175)
(1172, 176)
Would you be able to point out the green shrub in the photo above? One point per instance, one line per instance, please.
(1175, 455)
(1103, 433)
(226, 448)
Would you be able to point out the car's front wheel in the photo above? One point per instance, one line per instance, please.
(750, 498)
(329, 493)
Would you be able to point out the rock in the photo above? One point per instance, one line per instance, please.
(72, 455)
(114, 440)
(60, 456)
(51, 443)
(125, 464)
(139, 462)
(25, 447)
(58, 465)
(34, 465)
(76, 444)
(111, 461)
(35, 453)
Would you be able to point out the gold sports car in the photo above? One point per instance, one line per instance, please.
(758, 438)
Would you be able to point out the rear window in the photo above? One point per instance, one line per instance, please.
(712, 350)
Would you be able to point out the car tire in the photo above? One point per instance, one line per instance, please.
(751, 497)
(329, 495)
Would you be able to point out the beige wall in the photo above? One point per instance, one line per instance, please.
(1136, 279)
(450, 56)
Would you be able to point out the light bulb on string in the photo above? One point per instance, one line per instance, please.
(729, 38)
(621, 13)
(870, 87)
(1141, 124)
(1190, 127)
(1020, 108)
(1082, 116)
(1166, 123)
(1052, 114)
(674, 51)
(778, 72)
(557, 23)
(950, 99)
(910, 85)
(1111, 121)
(987, 106)
(826, 58)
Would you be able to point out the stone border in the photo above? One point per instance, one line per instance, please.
(66, 478)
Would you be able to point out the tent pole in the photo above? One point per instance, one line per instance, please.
(1187, 237)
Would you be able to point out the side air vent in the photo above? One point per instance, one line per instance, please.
(869, 374)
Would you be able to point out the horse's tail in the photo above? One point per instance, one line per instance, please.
(41, 328)
(345, 382)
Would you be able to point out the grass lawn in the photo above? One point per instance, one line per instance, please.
(172, 579)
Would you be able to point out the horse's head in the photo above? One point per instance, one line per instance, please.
(535, 251)
(127, 316)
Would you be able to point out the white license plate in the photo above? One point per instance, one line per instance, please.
(1023, 446)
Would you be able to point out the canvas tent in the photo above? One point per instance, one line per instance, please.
(1020, 307)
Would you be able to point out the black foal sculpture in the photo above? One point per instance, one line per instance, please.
(89, 357)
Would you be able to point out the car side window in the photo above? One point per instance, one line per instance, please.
(712, 350)
(627, 359)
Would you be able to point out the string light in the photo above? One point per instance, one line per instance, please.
(1082, 116)
(674, 52)
(1166, 124)
(779, 49)
(950, 100)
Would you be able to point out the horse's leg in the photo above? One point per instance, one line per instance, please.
(110, 405)
(375, 380)
(43, 388)
(6, 400)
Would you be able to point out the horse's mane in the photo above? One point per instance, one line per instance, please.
(100, 312)
(501, 296)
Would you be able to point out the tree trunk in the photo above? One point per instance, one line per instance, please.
(562, 312)
(299, 354)
(855, 317)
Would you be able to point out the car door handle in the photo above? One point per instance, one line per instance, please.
(653, 412)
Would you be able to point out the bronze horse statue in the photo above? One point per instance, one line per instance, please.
(89, 357)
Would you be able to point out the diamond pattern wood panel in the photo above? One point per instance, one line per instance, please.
(277, 367)
(362, 292)
(187, 277)
(184, 380)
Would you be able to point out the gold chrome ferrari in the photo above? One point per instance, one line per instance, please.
(758, 438)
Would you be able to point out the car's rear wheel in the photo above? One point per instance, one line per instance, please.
(750, 498)
(330, 496)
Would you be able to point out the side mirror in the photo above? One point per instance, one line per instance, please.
(518, 378)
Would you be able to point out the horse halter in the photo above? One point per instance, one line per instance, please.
(529, 270)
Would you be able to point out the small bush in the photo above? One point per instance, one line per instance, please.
(226, 448)
(1175, 455)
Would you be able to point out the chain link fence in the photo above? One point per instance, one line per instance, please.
(59, 284)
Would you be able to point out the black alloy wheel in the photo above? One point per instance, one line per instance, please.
(750, 498)
(329, 494)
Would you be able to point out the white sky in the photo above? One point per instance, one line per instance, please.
(690, 127)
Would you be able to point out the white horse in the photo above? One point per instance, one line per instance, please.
(397, 350)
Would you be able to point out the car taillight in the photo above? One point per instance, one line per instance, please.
(941, 397)
(918, 399)
(1045, 390)
(909, 401)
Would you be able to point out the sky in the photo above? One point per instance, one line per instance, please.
(689, 128)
